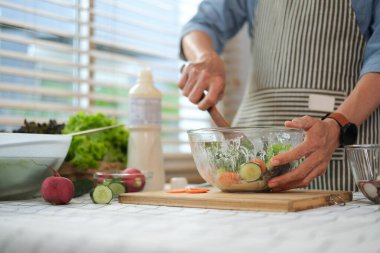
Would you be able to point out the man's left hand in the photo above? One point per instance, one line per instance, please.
(321, 140)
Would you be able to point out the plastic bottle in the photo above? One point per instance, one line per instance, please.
(144, 145)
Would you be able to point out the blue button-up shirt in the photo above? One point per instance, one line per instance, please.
(222, 19)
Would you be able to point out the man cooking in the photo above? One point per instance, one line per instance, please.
(308, 58)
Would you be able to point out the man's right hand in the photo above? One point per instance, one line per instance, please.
(204, 72)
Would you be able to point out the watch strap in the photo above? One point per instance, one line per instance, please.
(338, 117)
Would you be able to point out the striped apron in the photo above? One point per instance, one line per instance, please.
(302, 50)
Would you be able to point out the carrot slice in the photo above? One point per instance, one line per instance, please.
(188, 190)
(226, 179)
(176, 191)
(195, 191)
(198, 188)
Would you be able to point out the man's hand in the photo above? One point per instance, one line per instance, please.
(205, 74)
(321, 140)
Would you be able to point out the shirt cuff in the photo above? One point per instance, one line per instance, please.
(371, 65)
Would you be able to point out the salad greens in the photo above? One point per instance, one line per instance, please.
(86, 151)
(52, 127)
(227, 156)
(230, 157)
(274, 150)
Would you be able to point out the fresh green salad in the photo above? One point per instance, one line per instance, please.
(238, 164)
(87, 150)
(230, 157)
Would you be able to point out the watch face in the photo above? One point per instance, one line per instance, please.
(349, 134)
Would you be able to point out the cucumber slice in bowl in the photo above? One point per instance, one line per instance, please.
(250, 172)
(116, 188)
(101, 194)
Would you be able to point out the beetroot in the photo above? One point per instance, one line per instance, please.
(57, 190)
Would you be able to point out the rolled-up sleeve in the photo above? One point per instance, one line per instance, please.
(371, 62)
(220, 19)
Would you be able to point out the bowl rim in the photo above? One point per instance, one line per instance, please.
(234, 129)
(30, 134)
(360, 146)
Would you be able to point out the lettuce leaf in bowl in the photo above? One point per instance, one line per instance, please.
(275, 149)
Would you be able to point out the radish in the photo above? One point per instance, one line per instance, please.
(134, 180)
(57, 190)
(131, 171)
(370, 190)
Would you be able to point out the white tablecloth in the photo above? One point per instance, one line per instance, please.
(35, 226)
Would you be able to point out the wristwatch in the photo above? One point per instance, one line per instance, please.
(348, 130)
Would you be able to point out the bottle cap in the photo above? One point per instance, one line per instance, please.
(145, 77)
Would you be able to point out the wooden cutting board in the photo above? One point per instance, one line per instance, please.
(290, 201)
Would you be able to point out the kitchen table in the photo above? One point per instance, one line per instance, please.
(35, 226)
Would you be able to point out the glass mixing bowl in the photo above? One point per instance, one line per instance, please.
(237, 159)
(364, 162)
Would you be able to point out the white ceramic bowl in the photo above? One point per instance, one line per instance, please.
(25, 161)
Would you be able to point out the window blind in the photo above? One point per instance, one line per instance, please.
(127, 37)
(60, 57)
(39, 66)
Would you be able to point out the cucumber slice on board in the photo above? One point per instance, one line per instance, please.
(250, 172)
(101, 195)
(116, 188)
